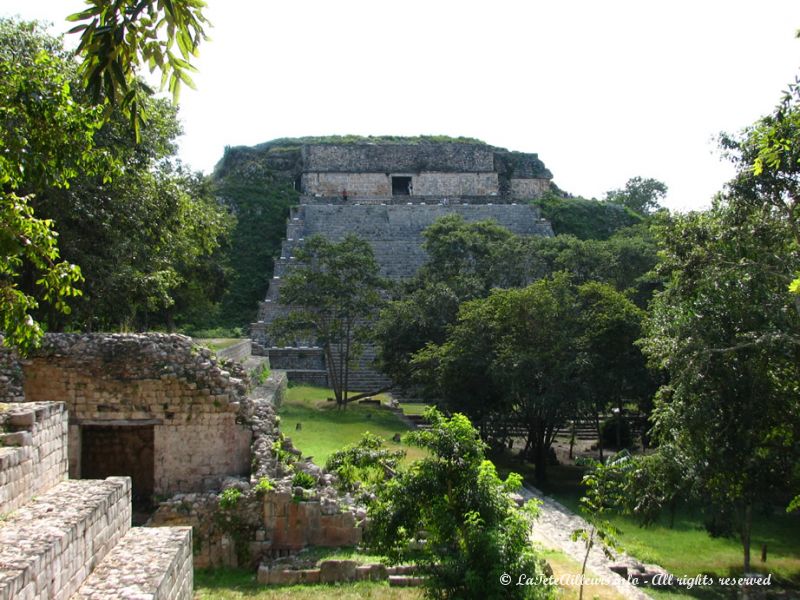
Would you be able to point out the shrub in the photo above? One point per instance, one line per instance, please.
(229, 498)
(303, 480)
(367, 461)
(263, 486)
(475, 534)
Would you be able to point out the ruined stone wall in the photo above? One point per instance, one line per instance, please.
(157, 380)
(33, 451)
(10, 375)
(528, 188)
(398, 158)
(355, 184)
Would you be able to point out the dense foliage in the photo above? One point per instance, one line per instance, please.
(468, 260)
(142, 226)
(148, 239)
(585, 219)
(261, 209)
(641, 195)
(47, 138)
(537, 356)
(726, 332)
(454, 501)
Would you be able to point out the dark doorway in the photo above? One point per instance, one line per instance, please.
(121, 450)
(401, 186)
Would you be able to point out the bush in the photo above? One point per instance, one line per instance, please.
(608, 433)
(263, 486)
(303, 480)
(475, 534)
(229, 498)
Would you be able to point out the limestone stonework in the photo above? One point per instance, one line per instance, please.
(62, 539)
(157, 381)
(33, 455)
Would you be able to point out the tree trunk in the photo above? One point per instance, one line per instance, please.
(747, 524)
(572, 441)
(589, 545)
(599, 433)
(347, 364)
(330, 364)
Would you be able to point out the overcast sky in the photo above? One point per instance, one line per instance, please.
(602, 91)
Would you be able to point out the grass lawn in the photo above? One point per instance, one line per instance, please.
(325, 428)
(687, 550)
(238, 584)
(414, 408)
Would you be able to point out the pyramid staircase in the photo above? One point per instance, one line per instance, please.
(395, 232)
(72, 539)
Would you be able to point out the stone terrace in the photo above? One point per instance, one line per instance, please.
(54, 532)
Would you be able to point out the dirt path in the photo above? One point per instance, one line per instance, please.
(553, 529)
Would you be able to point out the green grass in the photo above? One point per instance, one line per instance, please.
(686, 549)
(238, 584)
(414, 408)
(317, 554)
(326, 428)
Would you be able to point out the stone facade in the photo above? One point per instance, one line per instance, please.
(365, 186)
(448, 157)
(156, 382)
(355, 172)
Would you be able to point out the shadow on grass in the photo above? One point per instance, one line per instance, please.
(242, 581)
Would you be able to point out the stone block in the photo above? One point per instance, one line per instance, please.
(373, 572)
(332, 571)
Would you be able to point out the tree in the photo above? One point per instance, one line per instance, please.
(604, 482)
(472, 531)
(768, 165)
(47, 138)
(641, 195)
(333, 291)
(612, 369)
(120, 36)
(465, 261)
(725, 332)
(146, 240)
(513, 357)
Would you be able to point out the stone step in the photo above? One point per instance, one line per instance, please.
(405, 581)
(149, 562)
(50, 545)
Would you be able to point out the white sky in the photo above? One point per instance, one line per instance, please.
(602, 91)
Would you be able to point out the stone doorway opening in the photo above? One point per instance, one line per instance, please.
(401, 185)
(108, 450)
